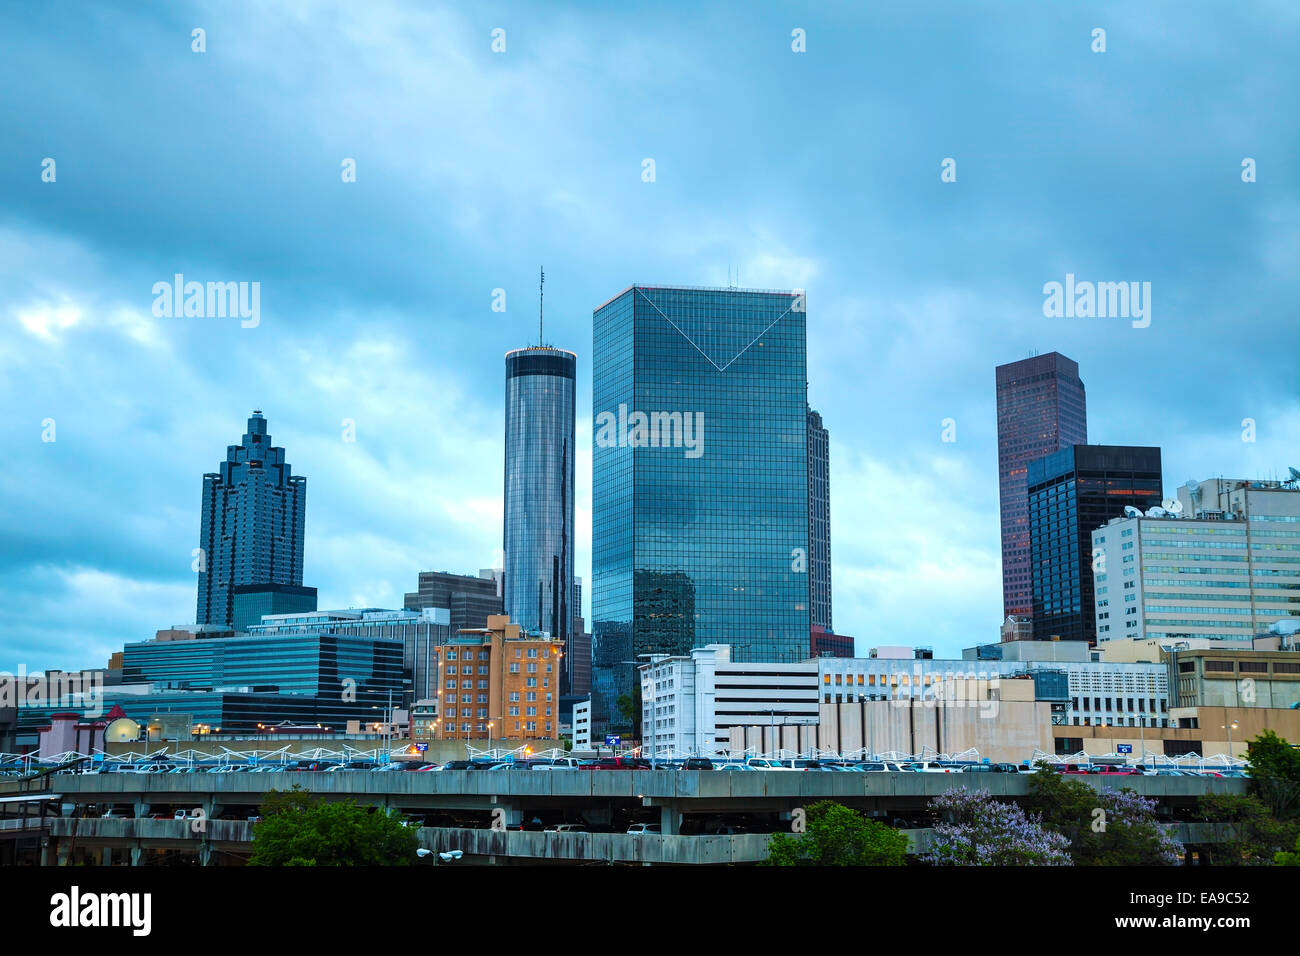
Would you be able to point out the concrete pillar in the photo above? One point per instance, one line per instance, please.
(141, 808)
(136, 852)
(670, 820)
(205, 854)
(49, 852)
(106, 858)
(63, 855)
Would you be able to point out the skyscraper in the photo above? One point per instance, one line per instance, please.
(1041, 409)
(700, 529)
(819, 520)
(538, 539)
(254, 510)
(1070, 494)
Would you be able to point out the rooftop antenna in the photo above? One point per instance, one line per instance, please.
(541, 293)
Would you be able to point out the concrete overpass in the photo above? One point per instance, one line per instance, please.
(462, 805)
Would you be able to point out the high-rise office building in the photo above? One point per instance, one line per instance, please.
(1070, 494)
(538, 538)
(1041, 409)
(699, 481)
(254, 510)
(1223, 568)
(819, 521)
(469, 601)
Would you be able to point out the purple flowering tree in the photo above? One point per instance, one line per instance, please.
(980, 831)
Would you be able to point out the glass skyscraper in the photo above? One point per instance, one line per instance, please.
(538, 538)
(819, 520)
(1042, 408)
(1070, 494)
(700, 527)
(254, 510)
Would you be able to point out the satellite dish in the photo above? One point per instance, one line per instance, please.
(1156, 512)
(1131, 512)
(1173, 506)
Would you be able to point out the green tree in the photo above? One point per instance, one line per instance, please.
(1258, 835)
(1288, 859)
(299, 829)
(1104, 827)
(838, 836)
(1275, 774)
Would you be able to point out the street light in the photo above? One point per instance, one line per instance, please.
(1229, 728)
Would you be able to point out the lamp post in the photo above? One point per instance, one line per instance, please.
(1230, 727)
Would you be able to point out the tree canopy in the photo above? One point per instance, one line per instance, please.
(299, 829)
(838, 836)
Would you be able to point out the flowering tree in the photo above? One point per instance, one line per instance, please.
(1104, 827)
(980, 831)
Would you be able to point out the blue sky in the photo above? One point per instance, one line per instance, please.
(818, 170)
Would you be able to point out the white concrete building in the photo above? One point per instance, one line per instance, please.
(690, 703)
(1223, 569)
(582, 725)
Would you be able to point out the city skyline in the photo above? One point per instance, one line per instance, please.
(916, 287)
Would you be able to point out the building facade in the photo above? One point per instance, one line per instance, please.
(499, 683)
(468, 600)
(1071, 493)
(1226, 567)
(825, 643)
(699, 481)
(308, 677)
(254, 511)
(253, 601)
(421, 632)
(1041, 408)
(819, 521)
(539, 470)
(691, 703)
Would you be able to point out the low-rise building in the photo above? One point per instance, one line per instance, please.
(499, 683)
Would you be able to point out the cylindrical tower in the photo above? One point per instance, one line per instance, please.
(538, 540)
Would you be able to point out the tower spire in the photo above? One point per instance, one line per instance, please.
(541, 294)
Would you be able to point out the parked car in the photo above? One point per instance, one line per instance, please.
(618, 763)
(567, 828)
(762, 763)
(560, 763)
(637, 829)
(741, 767)
(697, 763)
(801, 764)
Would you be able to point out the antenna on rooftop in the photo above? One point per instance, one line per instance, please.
(541, 294)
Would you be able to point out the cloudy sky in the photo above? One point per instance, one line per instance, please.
(818, 169)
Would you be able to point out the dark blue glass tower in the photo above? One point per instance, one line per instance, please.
(254, 510)
(1070, 494)
(700, 521)
(538, 533)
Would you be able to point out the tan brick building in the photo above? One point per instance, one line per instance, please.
(498, 683)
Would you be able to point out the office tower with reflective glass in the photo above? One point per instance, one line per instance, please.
(1041, 408)
(819, 520)
(538, 533)
(699, 481)
(1070, 494)
(254, 511)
